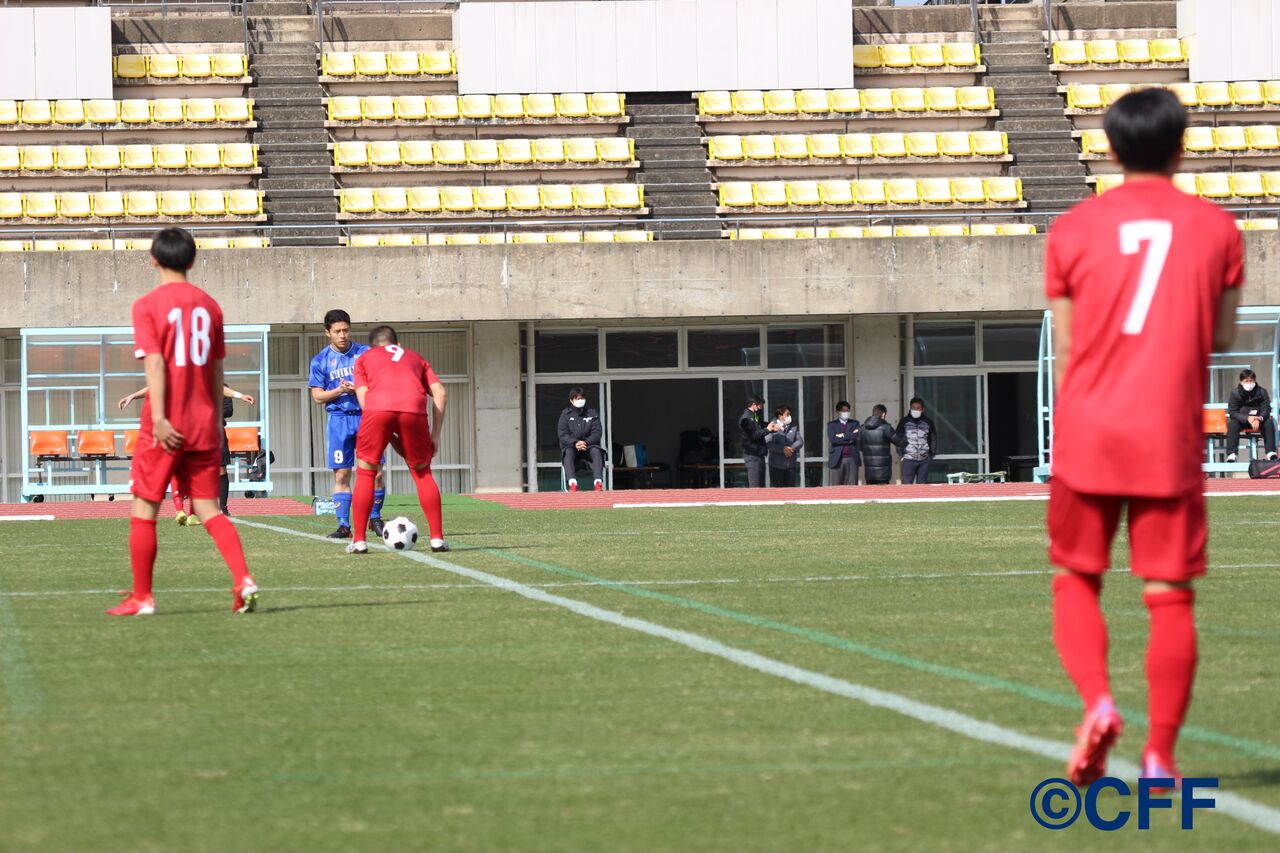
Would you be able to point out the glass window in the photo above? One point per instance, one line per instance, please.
(734, 394)
(952, 403)
(806, 346)
(568, 352)
(945, 343)
(641, 350)
(1011, 343)
(724, 347)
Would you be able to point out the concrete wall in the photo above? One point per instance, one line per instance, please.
(1231, 39)
(676, 279)
(499, 446)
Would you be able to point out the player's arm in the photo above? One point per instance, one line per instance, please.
(124, 401)
(361, 391)
(1224, 333)
(228, 391)
(163, 431)
(439, 399)
(1061, 308)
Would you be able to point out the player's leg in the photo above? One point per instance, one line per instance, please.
(1269, 437)
(1233, 438)
(1081, 528)
(179, 502)
(415, 439)
(224, 481)
(379, 495)
(201, 471)
(370, 445)
(150, 472)
(340, 450)
(362, 503)
(596, 454)
(570, 461)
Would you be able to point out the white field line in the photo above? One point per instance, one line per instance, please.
(1258, 815)
(860, 501)
(26, 518)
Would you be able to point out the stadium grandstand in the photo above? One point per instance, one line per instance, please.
(836, 200)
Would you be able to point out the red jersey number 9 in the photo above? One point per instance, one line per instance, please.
(397, 352)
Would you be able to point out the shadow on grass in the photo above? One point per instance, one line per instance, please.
(1268, 777)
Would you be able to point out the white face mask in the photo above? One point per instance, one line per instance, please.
(578, 404)
(1248, 386)
(915, 413)
(844, 416)
(786, 421)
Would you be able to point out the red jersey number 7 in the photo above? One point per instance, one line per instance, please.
(1158, 235)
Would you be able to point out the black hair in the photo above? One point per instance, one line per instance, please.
(174, 249)
(1247, 374)
(843, 404)
(915, 400)
(755, 400)
(879, 410)
(382, 335)
(576, 391)
(1145, 129)
(777, 413)
(337, 315)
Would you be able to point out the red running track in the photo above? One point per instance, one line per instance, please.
(120, 508)
(828, 495)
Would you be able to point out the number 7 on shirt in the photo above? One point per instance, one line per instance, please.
(1158, 235)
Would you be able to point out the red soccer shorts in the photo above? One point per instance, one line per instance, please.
(1167, 536)
(413, 428)
(196, 471)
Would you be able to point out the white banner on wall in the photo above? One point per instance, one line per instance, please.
(52, 52)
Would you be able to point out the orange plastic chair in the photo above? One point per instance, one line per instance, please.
(95, 442)
(130, 441)
(49, 444)
(242, 440)
(1215, 421)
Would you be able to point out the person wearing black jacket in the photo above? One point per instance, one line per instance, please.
(875, 437)
(1249, 407)
(842, 438)
(917, 442)
(580, 431)
(754, 433)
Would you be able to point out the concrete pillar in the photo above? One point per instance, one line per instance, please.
(499, 448)
(877, 363)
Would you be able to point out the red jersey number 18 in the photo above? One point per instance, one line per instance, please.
(1158, 235)
(200, 343)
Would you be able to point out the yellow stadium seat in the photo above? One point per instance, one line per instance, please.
(977, 98)
(176, 203)
(517, 150)
(760, 146)
(1270, 91)
(1135, 51)
(557, 196)
(941, 98)
(378, 108)
(836, 192)
(434, 239)
(909, 100)
(529, 238)
(1102, 51)
(1186, 92)
(896, 56)
(1102, 183)
(903, 191)
(870, 191)
(424, 199)
(579, 149)
(564, 237)
(949, 231)
(590, 197)
(74, 205)
(196, 66)
(1003, 190)
(923, 144)
(351, 154)
(803, 193)
(962, 54)
(1263, 137)
(9, 112)
(213, 243)
(397, 240)
(824, 145)
(1018, 229)
(736, 194)
(508, 106)
(451, 152)
(163, 65)
(625, 196)
(37, 111)
(1168, 50)
(363, 240)
(371, 63)
(780, 102)
(607, 104)
(936, 191)
(384, 153)
(209, 203)
(1112, 92)
(231, 110)
(1271, 180)
(79, 245)
(716, 103)
(856, 145)
(142, 203)
(230, 64)
(130, 66)
(201, 109)
(540, 106)
(867, 56)
(792, 146)
(1214, 94)
(484, 152)
(878, 100)
(633, 236)
(616, 149)
(139, 158)
(491, 199)
(438, 63)
(990, 143)
(244, 202)
(847, 101)
(46, 246)
(72, 158)
(1261, 224)
(345, 108)
(890, 145)
(1230, 139)
(468, 239)
(457, 199)
(14, 246)
(237, 155)
(1247, 185)
(38, 158)
(1094, 141)
(548, 150)
(1244, 93)
(770, 193)
(595, 236)
(572, 105)
(912, 231)
(394, 199)
(10, 158)
(846, 232)
(1070, 52)
(172, 155)
(10, 205)
(102, 112)
(411, 107)
(443, 107)
(748, 102)
(968, 191)
(168, 111)
(928, 55)
(1183, 181)
(417, 152)
(781, 233)
(813, 101)
(68, 112)
(1084, 96)
(955, 143)
(524, 197)
(403, 63)
(475, 106)
(1199, 138)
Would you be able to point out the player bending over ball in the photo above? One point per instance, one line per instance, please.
(177, 332)
(393, 384)
(1143, 281)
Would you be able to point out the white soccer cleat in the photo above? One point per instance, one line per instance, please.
(439, 545)
(1231, 457)
(358, 548)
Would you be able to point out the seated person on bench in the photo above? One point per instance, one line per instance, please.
(580, 432)
(1249, 407)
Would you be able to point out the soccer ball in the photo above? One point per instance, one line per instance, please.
(400, 534)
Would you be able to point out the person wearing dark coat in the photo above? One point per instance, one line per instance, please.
(875, 437)
(1249, 407)
(784, 449)
(842, 438)
(917, 442)
(580, 433)
(754, 433)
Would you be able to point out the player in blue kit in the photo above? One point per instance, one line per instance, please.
(331, 374)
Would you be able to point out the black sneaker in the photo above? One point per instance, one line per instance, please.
(376, 525)
(343, 532)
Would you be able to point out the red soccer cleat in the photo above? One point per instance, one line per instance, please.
(573, 486)
(1101, 728)
(1155, 767)
(599, 486)
(245, 597)
(134, 606)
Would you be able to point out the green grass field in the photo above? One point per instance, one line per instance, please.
(385, 703)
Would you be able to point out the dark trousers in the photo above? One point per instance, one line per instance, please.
(755, 471)
(1234, 426)
(846, 473)
(915, 471)
(782, 477)
(573, 454)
